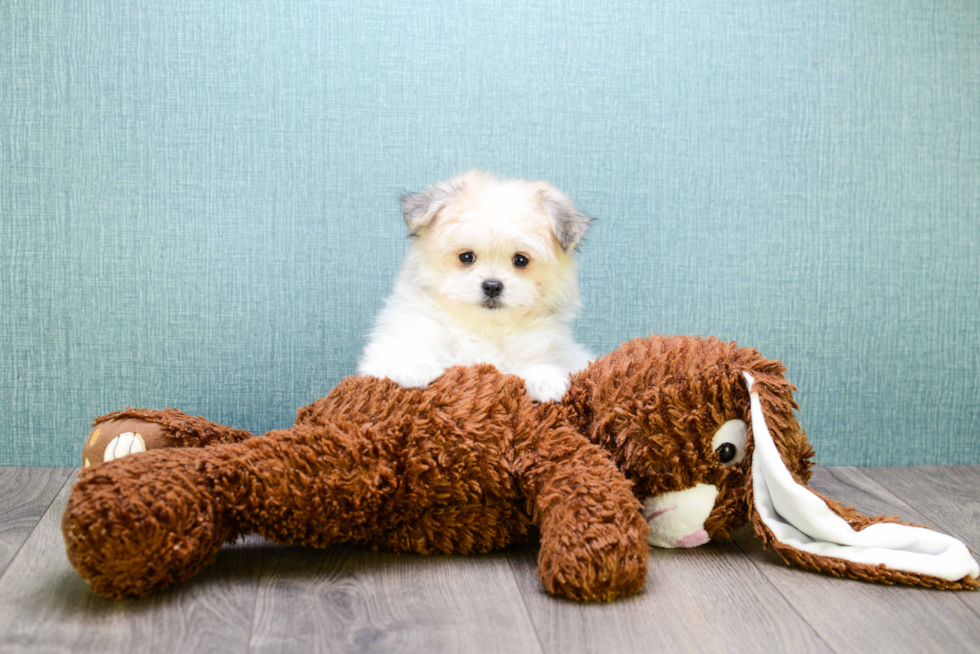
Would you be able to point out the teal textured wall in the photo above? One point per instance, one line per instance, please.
(198, 200)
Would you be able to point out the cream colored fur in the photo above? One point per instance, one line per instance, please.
(438, 315)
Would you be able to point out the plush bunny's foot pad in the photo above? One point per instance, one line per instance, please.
(116, 438)
(131, 431)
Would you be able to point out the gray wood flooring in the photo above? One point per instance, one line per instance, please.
(258, 597)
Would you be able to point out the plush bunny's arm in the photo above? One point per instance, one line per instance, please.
(593, 536)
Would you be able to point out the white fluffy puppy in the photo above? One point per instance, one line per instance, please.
(488, 277)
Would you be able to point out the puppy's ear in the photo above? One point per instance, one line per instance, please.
(421, 209)
(567, 222)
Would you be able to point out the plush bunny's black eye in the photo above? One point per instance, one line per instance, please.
(726, 452)
(520, 260)
(467, 258)
(729, 442)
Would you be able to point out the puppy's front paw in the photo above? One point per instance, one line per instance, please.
(417, 376)
(545, 383)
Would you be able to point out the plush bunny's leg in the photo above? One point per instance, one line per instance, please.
(137, 524)
(593, 536)
(141, 523)
(313, 485)
(131, 431)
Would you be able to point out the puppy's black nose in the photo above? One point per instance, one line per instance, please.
(492, 288)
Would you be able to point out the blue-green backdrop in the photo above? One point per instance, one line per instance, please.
(198, 200)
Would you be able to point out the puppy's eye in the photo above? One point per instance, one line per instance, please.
(520, 261)
(467, 258)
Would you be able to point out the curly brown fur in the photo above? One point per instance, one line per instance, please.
(655, 403)
(468, 464)
(657, 421)
(181, 429)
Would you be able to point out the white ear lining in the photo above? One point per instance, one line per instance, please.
(799, 518)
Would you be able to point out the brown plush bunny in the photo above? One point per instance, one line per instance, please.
(699, 433)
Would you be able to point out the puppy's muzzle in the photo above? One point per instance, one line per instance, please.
(492, 288)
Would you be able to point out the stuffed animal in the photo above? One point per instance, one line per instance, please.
(671, 441)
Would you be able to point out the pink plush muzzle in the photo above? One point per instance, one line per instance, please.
(700, 537)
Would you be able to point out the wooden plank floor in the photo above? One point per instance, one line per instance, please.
(727, 597)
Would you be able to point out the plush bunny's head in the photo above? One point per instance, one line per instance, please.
(707, 433)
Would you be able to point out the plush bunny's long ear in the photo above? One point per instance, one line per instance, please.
(816, 533)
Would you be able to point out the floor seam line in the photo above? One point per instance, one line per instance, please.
(874, 481)
(527, 610)
(785, 599)
(255, 604)
(36, 525)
